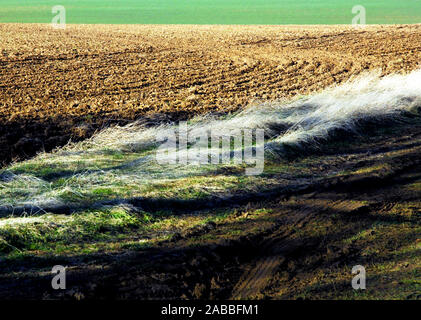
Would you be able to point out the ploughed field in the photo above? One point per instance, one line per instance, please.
(57, 85)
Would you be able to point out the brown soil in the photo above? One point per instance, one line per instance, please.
(58, 85)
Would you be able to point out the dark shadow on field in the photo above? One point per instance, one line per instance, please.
(162, 267)
(175, 268)
(24, 138)
(189, 267)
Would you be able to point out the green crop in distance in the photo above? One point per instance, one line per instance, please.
(211, 11)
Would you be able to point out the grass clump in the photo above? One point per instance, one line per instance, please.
(48, 230)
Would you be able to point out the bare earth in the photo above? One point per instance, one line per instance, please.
(58, 85)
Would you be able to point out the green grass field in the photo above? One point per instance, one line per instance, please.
(211, 11)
